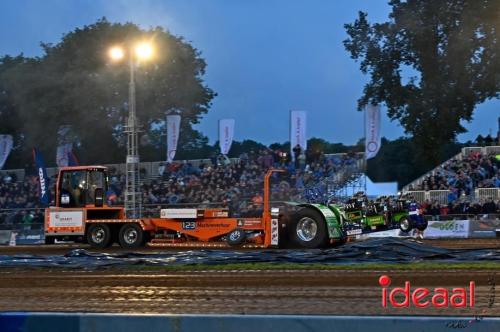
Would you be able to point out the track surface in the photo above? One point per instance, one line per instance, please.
(345, 292)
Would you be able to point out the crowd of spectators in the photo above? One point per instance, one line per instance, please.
(236, 184)
(462, 207)
(461, 177)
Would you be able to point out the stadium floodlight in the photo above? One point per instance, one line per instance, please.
(144, 51)
(116, 53)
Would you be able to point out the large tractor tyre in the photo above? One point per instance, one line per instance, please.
(422, 226)
(236, 237)
(99, 236)
(131, 235)
(405, 224)
(308, 229)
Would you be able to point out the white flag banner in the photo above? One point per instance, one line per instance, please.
(372, 131)
(297, 131)
(6, 143)
(173, 126)
(226, 134)
(62, 154)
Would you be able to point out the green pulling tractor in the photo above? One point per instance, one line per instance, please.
(317, 225)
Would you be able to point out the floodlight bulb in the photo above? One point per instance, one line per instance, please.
(116, 53)
(144, 51)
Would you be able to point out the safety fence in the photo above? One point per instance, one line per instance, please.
(440, 196)
(443, 196)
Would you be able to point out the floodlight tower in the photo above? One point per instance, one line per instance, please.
(133, 193)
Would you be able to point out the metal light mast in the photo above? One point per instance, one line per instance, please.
(133, 193)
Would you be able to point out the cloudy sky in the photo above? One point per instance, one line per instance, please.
(265, 57)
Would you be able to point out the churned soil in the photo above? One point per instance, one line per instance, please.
(339, 292)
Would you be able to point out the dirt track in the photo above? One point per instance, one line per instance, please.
(249, 292)
(344, 292)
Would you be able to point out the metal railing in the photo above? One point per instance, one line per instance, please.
(487, 193)
(441, 196)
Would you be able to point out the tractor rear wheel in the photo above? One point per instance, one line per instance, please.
(99, 235)
(308, 229)
(405, 224)
(131, 236)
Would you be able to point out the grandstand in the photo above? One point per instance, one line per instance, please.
(235, 183)
(473, 175)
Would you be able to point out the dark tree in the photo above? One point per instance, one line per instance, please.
(75, 83)
(430, 64)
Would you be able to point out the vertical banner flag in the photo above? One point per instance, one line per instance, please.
(44, 191)
(6, 143)
(226, 134)
(173, 126)
(62, 154)
(372, 131)
(64, 145)
(297, 130)
(72, 160)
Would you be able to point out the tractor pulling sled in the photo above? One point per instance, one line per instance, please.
(82, 214)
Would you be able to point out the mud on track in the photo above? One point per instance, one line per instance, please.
(239, 292)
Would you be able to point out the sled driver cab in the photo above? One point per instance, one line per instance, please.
(82, 186)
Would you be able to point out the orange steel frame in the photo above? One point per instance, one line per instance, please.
(206, 228)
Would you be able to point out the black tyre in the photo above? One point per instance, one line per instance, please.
(405, 224)
(99, 235)
(236, 237)
(308, 229)
(50, 239)
(131, 236)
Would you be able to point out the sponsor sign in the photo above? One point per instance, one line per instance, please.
(6, 143)
(62, 154)
(274, 232)
(173, 127)
(66, 219)
(226, 134)
(297, 131)
(178, 213)
(448, 229)
(252, 222)
(43, 192)
(372, 131)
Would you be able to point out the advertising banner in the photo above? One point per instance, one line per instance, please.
(448, 229)
(44, 191)
(62, 154)
(226, 135)
(66, 219)
(297, 130)
(6, 143)
(173, 127)
(372, 131)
